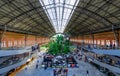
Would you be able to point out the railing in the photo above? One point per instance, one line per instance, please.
(18, 51)
(102, 59)
(15, 61)
(13, 48)
(12, 60)
(103, 47)
(115, 52)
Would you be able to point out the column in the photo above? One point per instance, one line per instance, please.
(36, 40)
(26, 39)
(92, 39)
(1, 37)
(83, 40)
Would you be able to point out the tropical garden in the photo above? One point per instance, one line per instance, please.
(59, 44)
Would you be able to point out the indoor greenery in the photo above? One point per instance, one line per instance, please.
(58, 45)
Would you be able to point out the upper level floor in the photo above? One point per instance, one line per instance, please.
(115, 52)
(14, 51)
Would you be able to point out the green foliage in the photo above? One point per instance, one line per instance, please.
(45, 45)
(53, 48)
(59, 46)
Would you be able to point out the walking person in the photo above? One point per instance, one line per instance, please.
(54, 72)
(45, 66)
(26, 68)
(73, 74)
(36, 66)
(37, 61)
(66, 71)
(87, 73)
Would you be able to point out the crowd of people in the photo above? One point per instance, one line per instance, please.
(60, 71)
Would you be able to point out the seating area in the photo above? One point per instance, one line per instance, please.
(64, 61)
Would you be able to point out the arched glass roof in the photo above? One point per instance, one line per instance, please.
(48, 17)
(59, 12)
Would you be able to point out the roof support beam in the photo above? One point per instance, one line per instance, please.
(17, 30)
(95, 16)
(19, 16)
(40, 15)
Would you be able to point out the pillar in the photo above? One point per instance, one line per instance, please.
(1, 37)
(36, 40)
(92, 35)
(83, 40)
(116, 36)
(25, 41)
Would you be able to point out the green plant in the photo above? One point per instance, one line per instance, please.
(59, 45)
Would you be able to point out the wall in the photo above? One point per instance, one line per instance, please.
(102, 39)
(11, 39)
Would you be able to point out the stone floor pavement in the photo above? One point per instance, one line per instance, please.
(81, 71)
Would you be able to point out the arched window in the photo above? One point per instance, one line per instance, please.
(102, 42)
(4, 43)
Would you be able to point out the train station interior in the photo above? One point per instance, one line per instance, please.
(59, 37)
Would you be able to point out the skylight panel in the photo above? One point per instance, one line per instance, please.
(59, 12)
